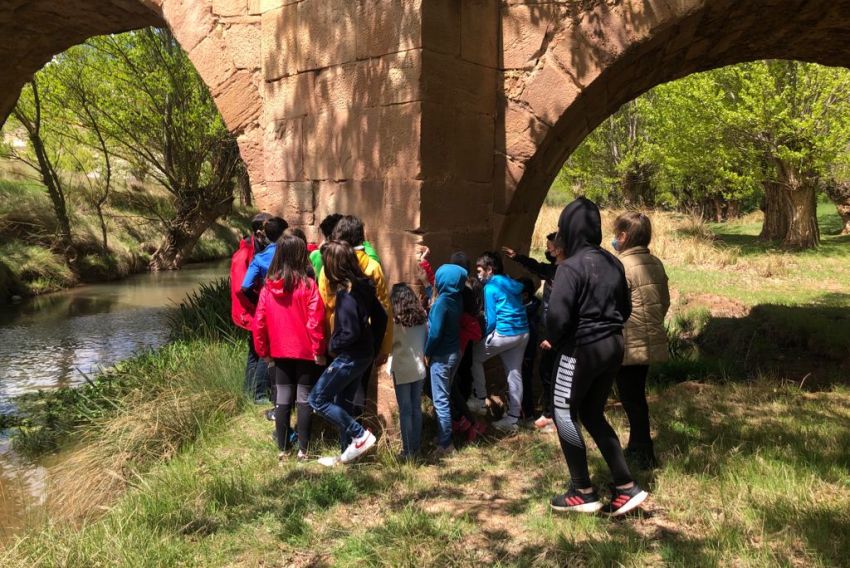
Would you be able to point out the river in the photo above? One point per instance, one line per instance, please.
(56, 340)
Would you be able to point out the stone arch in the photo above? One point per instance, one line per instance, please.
(222, 38)
(568, 66)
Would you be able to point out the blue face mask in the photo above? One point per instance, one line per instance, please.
(615, 244)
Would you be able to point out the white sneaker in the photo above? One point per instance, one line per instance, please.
(543, 422)
(329, 461)
(476, 405)
(358, 447)
(506, 424)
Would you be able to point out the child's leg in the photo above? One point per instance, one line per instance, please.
(416, 416)
(631, 388)
(405, 416)
(479, 382)
(338, 379)
(306, 373)
(547, 364)
(529, 354)
(283, 373)
(442, 369)
(511, 351)
(605, 356)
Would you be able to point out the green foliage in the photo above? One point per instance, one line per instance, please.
(205, 314)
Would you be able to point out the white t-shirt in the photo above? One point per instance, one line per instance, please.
(406, 364)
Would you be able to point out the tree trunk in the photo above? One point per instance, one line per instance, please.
(839, 194)
(803, 231)
(776, 219)
(243, 182)
(183, 233)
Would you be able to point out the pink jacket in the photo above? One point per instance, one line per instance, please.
(241, 311)
(290, 325)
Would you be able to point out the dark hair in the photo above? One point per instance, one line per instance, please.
(328, 224)
(350, 229)
(258, 221)
(296, 232)
(407, 309)
(492, 260)
(528, 286)
(473, 296)
(274, 228)
(460, 259)
(289, 263)
(552, 236)
(638, 229)
(340, 264)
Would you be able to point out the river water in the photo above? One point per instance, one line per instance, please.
(56, 340)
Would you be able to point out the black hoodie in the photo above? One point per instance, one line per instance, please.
(359, 321)
(590, 296)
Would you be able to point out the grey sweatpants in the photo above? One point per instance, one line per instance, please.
(511, 350)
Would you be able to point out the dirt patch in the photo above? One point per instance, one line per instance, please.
(718, 306)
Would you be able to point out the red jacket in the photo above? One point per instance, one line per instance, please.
(470, 330)
(241, 311)
(290, 325)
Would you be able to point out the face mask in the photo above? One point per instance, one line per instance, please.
(550, 257)
(615, 244)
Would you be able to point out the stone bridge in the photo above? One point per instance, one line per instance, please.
(435, 120)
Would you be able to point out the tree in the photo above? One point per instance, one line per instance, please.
(160, 117)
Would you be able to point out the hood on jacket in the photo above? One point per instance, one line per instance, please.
(580, 226)
(506, 284)
(450, 279)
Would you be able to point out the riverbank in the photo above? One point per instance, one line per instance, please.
(28, 267)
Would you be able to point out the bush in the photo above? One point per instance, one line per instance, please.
(205, 314)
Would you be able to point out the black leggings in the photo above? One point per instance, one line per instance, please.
(546, 370)
(584, 377)
(291, 376)
(631, 388)
(462, 386)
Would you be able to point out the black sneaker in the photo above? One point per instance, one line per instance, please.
(574, 500)
(270, 414)
(624, 500)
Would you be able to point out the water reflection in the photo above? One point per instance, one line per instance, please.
(55, 340)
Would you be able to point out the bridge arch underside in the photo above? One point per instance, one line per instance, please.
(585, 66)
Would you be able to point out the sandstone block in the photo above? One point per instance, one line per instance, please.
(480, 21)
(244, 43)
(190, 21)
(294, 201)
(387, 26)
(367, 145)
(523, 132)
(229, 7)
(388, 80)
(328, 152)
(238, 101)
(279, 43)
(524, 28)
(441, 26)
(579, 56)
(212, 60)
(283, 159)
(325, 33)
(549, 91)
(400, 128)
(361, 198)
(251, 149)
(334, 87)
(402, 204)
(452, 81)
(289, 97)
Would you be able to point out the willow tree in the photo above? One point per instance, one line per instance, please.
(160, 117)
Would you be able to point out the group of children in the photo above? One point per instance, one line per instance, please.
(322, 317)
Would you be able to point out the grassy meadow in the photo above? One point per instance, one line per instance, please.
(28, 266)
(754, 452)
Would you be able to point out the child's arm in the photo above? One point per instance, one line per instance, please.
(489, 309)
(562, 317)
(316, 321)
(435, 326)
(260, 327)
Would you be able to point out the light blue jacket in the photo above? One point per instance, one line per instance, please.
(503, 307)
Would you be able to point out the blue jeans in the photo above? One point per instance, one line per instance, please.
(443, 369)
(409, 398)
(256, 374)
(333, 395)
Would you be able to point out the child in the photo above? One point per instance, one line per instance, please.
(506, 335)
(407, 365)
(443, 347)
(532, 313)
(463, 421)
(644, 335)
(357, 333)
(545, 271)
(589, 304)
(289, 326)
(249, 293)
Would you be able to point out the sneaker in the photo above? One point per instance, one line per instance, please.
(477, 405)
(358, 447)
(508, 423)
(282, 456)
(624, 500)
(293, 437)
(302, 456)
(542, 422)
(574, 500)
(442, 452)
(475, 431)
(329, 461)
(270, 414)
(461, 426)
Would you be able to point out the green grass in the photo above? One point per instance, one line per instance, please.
(28, 226)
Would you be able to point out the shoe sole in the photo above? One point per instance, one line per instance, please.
(631, 504)
(370, 443)
(594, 507)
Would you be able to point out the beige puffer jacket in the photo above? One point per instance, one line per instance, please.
(644, 334)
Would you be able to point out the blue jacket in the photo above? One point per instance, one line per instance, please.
(359, 321)
(444, 319)
(503, 308)
(258, 268)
